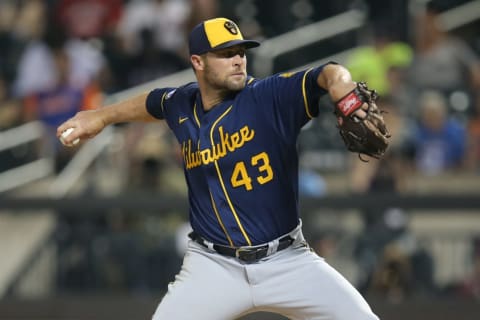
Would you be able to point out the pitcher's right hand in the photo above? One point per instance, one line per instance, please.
(85, 125)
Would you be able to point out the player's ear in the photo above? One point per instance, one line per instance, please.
(197, 62)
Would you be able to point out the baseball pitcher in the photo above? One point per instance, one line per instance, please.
(238, 139)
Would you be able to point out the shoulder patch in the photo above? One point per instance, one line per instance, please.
(170, 94)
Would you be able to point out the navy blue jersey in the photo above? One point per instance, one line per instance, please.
(240, 157)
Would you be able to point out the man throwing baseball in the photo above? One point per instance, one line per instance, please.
(238, 139)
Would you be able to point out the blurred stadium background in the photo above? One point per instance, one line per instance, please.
(98, 231)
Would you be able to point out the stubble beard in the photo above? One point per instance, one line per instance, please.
(227, 84)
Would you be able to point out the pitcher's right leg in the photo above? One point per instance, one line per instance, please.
(208, 286)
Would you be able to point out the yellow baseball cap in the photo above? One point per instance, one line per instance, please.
(218, 33)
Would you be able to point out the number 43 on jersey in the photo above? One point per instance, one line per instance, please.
(240, 175)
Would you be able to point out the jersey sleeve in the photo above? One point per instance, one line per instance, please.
(292, 97)
(156, 101)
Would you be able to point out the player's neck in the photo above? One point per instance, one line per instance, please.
(212, 97)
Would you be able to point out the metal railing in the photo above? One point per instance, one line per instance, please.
(44, 166)
(32, 171)
(272, 48)
(93, 148)
(20, 135)
(460, 16)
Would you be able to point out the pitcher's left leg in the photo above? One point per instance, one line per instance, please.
(301, 285)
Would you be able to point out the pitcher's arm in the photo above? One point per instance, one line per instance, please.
(87, 124)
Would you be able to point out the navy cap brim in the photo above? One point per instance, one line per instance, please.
(247, 43)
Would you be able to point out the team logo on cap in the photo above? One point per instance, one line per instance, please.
(231, 27)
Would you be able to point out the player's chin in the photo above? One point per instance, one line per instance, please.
(236, 83)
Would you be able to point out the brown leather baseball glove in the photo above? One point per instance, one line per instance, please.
(367, 135)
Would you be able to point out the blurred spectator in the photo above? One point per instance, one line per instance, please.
(88, 18)
(373, 63)
(165, 19)
(389, 173)
(30, 22)
(150, 154)
(30, 28)
(152, 35)
(9, 107)
(311, 183)
(152, 63)
(10, 43)
(56, 104)
(395, 12)
(439, 140)
(473, 153)
(470, 287)
(88, 64)
(9, 117)
(116, 251)
(393, 263)
(325, 243)
(36, 68)
(34, 71)
(74, 238)
(443, 62)
(120, 254)
(119, 64)
(90, 28)
(392, 277)
(201, 10)
(273, 17)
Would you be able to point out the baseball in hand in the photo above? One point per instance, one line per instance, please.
(65, 134)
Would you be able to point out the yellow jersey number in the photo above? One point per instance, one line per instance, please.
(240, 175)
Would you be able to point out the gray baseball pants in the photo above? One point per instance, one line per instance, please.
(294, 282)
